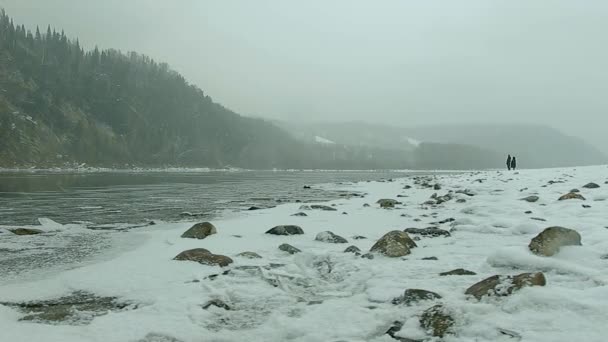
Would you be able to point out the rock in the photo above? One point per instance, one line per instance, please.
(510, 333)
(330, 238)
(359, 237)
(26, 231)
(432, 232)
(458, 271)
(322, 207)
(430, 202)
(307, 187)
(352, 249)
(411, 296)
(571, 195)
(586, 206)
(528, 212)
(394, 244)
(436, 187)
(300, 214)
(217, 303)
(369, 256)
(430, 258)
(467, 192)
(289, 249)
(200, 231)
(461, 200)
(366, 205)
(204, 257)
(549, 241)
(249, 255)
(575, 190)
(530, 199)
(156, 337)
(387, 203)
(255, 207)
(286, 230)
(437, 321)
(538, 219)
(505, 285)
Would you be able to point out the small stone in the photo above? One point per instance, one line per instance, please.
(430, 258)
(571, 195)
(369, 256)
(286, 230)
(387, 203)
(411, 296)
(330, 238)
(530, 199)
(359, 237)
(586, 206)
(461, 200)
(300, 214)
(458, 271)
(352, 249)
(26, 231)
(249, 255)
(289, 249)
(528, 212)
(322, 207)
(549, 241)
(505, 285)
(217, 303)
(203, 256)
(366, 205)
(437, 321)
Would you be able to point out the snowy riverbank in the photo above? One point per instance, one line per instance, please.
(324, 294)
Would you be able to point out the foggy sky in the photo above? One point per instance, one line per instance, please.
(393, 62)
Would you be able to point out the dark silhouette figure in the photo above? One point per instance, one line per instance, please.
(509, 162)
(513, 163)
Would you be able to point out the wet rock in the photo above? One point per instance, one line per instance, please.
(359, 237)
(204, 257)
(255, 207)
(286, 230)
(437, 321)
(200, 231)
(461, 200)
(26, 231)
(322, 207)
(505, 285)
(217, 303)
(586, 206)
(352, 249)
(571, 195)
(366, 205)
(430, 258)
(549, 241)
(330, 238)
(432, 232)
(412, 296)
(394, 244)
(249, 255)
(530, 199)
(528, 212)
(369, 256)
(300, 214)
(307, 187)
(387, 203)
(458, 271)
(289, 249)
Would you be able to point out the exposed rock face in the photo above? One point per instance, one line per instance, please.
(352, 249)
(505, 285)
(249, 255)
(549, 241)
(531, 199)
(591, 186)
(200, 231)
(26, 231)
(411, 296)
(330, 237)
(432, 232)
(203, 256)
(437, 321)
(458, 271)
(394, 244)
(286, 230)
(572, 195)
(387, 203)
(289, 249)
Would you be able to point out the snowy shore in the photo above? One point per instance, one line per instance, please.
(325, 294)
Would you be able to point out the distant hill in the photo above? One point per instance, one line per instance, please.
(460, 146)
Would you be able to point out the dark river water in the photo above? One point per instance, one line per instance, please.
(104, 198)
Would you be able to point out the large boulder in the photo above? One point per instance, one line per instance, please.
(330, 237)
(394, 244)
(431, 232)
(591, 186)
(549, 241)
(505, 285)
(289, 249)
(26, 231)
(437, 321)
(286, 230)
(411, 296)
(531, 199)
(200, 231)
(203, 256)
(571, 195)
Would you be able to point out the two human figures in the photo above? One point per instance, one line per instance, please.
(511, 163)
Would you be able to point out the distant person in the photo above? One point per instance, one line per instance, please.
(513, 163)
(509, 162)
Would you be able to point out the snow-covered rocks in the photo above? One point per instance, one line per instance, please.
(437, 321)
(330, 237)
(286, 230)
(200, 231)
(411, 296)
(203, 256)
(505, 285)
(394, 244)
(549, 241)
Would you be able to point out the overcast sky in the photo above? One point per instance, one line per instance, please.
(396, 62)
